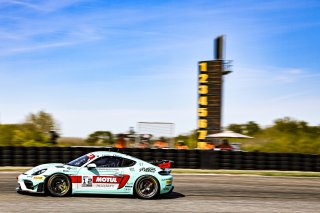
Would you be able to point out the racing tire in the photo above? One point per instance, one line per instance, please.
(59, 185)
(147, 187)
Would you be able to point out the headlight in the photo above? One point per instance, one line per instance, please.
(39, 172)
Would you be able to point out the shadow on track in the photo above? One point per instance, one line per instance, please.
(172, 195)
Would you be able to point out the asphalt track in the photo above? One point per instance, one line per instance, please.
(193, 193)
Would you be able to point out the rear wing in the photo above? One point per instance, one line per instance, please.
(163, 164)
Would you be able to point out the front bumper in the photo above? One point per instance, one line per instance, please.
(29, 183)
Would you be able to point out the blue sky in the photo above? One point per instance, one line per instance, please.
(105, 65)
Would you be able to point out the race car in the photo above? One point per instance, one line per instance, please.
(101, 172)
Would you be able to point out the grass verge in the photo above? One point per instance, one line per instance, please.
(14, 169)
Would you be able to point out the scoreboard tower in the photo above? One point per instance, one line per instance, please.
(210, 85)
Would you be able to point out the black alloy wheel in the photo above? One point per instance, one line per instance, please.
(147, 187)
(59, 185)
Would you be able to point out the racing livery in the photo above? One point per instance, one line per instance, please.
(100, 172)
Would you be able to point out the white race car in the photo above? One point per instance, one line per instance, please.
(100, 173)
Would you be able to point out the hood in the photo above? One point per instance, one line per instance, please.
(43, 166)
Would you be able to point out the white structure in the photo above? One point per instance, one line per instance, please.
(157, 129)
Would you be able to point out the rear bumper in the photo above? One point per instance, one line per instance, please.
(169, 191)
(166, 185)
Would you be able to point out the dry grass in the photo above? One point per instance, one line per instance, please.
(71, 141)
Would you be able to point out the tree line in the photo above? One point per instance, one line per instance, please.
(286, 135)
(38, 129)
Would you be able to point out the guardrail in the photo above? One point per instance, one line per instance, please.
(193, 159)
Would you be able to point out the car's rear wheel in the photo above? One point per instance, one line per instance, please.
(146, 187)
(59, 185)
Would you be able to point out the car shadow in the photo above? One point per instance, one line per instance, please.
(172, 195)
(33, 194)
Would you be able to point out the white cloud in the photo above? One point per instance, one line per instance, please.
(41, 6)
(289, 75)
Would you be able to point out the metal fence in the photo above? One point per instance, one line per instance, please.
(193, 159)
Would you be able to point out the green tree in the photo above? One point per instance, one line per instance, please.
(252, 128)
(45, 124)
(249, 128)
(35, 131)
(235, 128)
(286, 135)
(6, 134)
(189, 139)
(22, 135)
(100, 138)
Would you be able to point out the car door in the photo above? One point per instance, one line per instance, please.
(107, 177)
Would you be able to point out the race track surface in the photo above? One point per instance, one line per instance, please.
(193, 193)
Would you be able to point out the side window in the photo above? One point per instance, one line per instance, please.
(108, 161)
(127, 162)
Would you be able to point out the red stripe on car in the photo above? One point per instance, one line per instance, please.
(123, 181)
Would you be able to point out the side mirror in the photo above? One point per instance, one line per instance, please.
(91, 166)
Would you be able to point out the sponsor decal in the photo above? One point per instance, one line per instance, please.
(71, 168)
(147, 169)
(87, 181)
(90, 156)
(106, 182)
(131, 169)
(107, 169)
(106, 179)
(107, 186)
(38, 178)
(128, 188)
(168, 182)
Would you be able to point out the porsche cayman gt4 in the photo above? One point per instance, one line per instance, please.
(100, 172)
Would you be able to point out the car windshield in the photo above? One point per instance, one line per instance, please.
(79, 161)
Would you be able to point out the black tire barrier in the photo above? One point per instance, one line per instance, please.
(193, 159)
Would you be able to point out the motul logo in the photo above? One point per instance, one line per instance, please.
(106, 180)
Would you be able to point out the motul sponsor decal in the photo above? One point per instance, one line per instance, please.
(107, 182)
(106, 179)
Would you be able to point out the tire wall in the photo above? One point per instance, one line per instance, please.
(188, 159)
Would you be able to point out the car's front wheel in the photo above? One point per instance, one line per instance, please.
(146, 187)
(59, 185)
